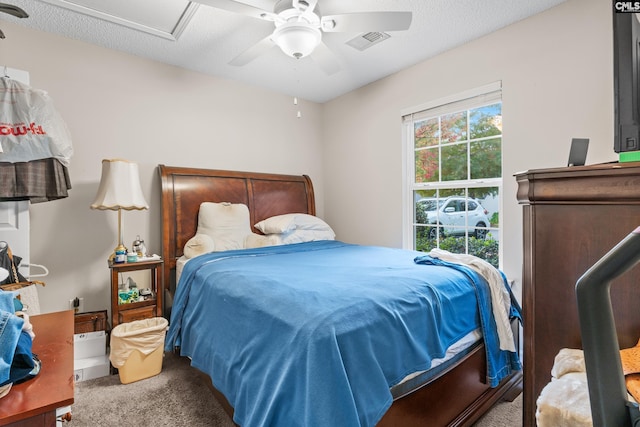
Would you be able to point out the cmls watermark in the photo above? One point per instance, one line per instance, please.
(626, 6)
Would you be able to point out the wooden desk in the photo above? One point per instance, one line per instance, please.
(34, 402)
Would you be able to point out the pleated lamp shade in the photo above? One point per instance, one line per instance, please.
(119, 187)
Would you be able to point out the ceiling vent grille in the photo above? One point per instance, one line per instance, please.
(366, 40)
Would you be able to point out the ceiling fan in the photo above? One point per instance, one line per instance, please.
(299, 27)
(12, 10)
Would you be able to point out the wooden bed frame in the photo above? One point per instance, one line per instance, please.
(458, 397)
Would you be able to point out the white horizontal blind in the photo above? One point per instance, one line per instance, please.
(460, 102)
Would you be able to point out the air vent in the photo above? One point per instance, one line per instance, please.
(366, 40)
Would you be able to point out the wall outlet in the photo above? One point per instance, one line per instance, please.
(76, 304)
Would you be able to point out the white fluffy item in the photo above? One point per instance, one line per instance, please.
(227, 224)
(198, 245)
(564, 402)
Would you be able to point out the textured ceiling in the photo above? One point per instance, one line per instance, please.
(213, 37)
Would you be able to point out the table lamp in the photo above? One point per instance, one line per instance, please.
(119, 189)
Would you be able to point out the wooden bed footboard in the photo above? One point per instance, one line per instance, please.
(457, 398)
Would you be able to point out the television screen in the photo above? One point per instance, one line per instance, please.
(626, 29)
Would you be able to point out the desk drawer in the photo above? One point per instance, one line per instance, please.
(136, 314)
(90, 322)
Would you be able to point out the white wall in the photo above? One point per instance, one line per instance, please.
(556, 72)
(119, 105)
(555, 68)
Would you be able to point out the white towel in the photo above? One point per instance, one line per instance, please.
(29, 298)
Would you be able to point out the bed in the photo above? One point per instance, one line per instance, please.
(456, 393)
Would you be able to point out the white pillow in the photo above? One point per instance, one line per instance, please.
(227, 224)
(295, 221)
(198, 245)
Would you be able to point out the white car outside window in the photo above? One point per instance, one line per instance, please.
(454, 217)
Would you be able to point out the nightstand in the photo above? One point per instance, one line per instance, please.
(151, 306)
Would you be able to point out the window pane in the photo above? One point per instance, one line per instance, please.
(427, 208)
(484, 242)
(427, 165)
(424, 243)
(486, 158)
(488, 250)
(452, 192)
(489, 200)
(427, 133)
(454, 127)
(425, 201)
(454, 162)
(485, 121)
(424, 194)
(459, 221)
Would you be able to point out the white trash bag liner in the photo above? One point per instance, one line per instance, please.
(143, 335)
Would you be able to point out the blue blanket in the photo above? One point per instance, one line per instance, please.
(500, 363)
(316, 333)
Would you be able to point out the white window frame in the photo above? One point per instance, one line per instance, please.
(470, 99)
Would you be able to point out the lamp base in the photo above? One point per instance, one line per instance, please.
(120, 247)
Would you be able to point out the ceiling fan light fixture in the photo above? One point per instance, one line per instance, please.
(297, 39)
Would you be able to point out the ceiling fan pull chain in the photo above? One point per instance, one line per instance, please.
(295, 102)
(295, 98)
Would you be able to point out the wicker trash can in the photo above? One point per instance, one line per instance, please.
(137, 348)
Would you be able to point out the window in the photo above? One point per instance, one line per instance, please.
(453, 168)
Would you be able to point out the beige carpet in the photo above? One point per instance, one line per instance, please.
(503, 414)
(176, 397)
(179, 397)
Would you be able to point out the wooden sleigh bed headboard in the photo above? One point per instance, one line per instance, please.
(184, 189)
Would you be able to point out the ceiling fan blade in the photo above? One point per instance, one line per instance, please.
(253, 52)
(366, 21)
(324, 57)
(13, 10)
(237, 7)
